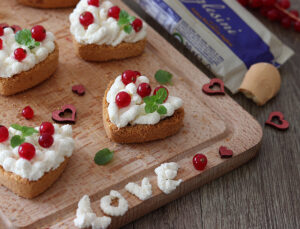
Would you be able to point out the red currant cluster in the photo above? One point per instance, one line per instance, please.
(27, 150)
(87, 18)
(276, 10)
(123, 99)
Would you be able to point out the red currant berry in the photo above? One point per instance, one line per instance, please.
(93, 3)
(1, 44)
(38, 33)
(295, 13)
(264, 10)
(20, 54)
(156, 90)
(123, 99)
(286, 22)
(46, 128)
(27, 112)
(137, 73)
(114, 12)
(200, 161)
(268, 2)
(86, 18)
(255, 3)
(273, 14)
(144, 90)
(46, 140)
(137, 25)
(297, 26)
(285, 4)
(243, 2)
(1, 31)
(26, 151)
(3, 134)
(129, 77)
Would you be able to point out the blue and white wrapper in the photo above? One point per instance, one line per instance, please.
(224, 35)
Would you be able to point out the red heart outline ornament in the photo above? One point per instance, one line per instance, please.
(224, 152)
(78, 89)
(56, 115)
(207, 88)
(284, 124)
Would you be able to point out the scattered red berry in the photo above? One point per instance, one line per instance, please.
(273, 14)
(268, 2)
(123, 99)
(46, 140)
(93, 3)
(156, 89)
(46, 128)
(114, 12)
(255, 3)
(3, 134)
(1, 31)
(129, 76)
(286, 22)
(243, 2)
(144, 89)
(26, 151)
(1, 44)
(295, 13)
(138, 73)
(20, 54)
(200, 161)
(137, 25)
(86, 18)
(27, 112)
(285, 4)
(38, 33)
(297, 26)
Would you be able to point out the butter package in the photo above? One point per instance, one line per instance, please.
(224, 35)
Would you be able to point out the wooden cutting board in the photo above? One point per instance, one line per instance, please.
(210, 121)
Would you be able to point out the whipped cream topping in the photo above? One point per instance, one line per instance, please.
(135, 112)
(85, 217)
(166, 173)
(143, 192)
(105, 204)
(46, 159)
(9, 66)
(104, 30)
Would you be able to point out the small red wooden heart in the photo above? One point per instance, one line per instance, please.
(57, 115)
(284, 124)
(225, 153)
(208, 88)
(78, 89)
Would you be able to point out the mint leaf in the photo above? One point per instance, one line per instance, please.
(127, 29)
(123, 21)
(103, 156)
(24, 37)
(149, 99)
(16, 127)
(151, 107)
(162, 110)
(16, 141)
(163, 77)
(123, 14)
(26, 131)
(131, 19)
(161, 95)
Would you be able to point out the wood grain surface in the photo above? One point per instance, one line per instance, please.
(264, 193)
(210, 121)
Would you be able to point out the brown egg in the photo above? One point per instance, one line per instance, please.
(261, 83)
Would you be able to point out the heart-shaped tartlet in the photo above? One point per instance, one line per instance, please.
(103, 32)
(208, 88)
(283, 124)
(133, 114)
(27, 58)
(49, 4)
(32, 159)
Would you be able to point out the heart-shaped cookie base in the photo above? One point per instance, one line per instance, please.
(57, 115)
(284, 124)
(224, 152)
(208, 88)
(142, 133)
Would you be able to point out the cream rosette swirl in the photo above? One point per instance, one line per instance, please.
(104, 29)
